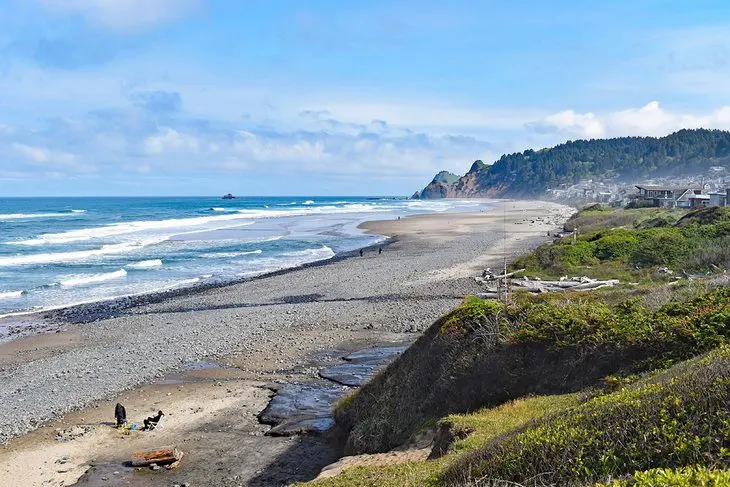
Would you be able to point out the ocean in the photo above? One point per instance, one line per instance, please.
(56, 252)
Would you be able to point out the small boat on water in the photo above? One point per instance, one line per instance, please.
(228, 196)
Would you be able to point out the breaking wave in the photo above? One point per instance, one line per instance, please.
(228, 255)
(23, 216)
(146, 264)
(82, 280)
(61, 257)
(11, 294)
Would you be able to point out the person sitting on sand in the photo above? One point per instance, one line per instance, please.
(151, 422)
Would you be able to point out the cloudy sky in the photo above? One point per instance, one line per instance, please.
(196, 97)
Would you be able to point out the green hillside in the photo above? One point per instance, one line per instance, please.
(623, 386)
(530, 173)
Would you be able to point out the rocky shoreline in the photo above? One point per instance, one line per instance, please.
(266, 323)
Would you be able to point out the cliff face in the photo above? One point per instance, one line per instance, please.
(467, 186)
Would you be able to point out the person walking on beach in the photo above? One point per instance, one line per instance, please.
(380, 250)
(360, 252)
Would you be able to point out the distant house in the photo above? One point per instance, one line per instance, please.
(661, 195)
(670, 197)
(692, 198)
(718, 199)
(698, 200)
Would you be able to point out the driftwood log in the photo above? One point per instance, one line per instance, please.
(538, 286)
(166, 455)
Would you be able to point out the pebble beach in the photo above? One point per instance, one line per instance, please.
(425, 269)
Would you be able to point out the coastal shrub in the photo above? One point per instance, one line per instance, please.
(616, 245)
(470, 312)
(645, 239)
(484, 425)
(693, 476)
(706, 216)
(660, 246)
(674, 330)
(714, 256)
(548, 344)
(675, 418)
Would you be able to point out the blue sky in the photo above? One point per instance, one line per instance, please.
(191, 97)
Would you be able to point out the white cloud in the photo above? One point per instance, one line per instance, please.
(169, 140)
(570, 123)
(124, 14)
(648, 120)
(42, 155)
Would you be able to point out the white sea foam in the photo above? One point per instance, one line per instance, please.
(308, 202)
(78, 211)
(82, 280)
(229, 255)
(11, 294)
(180, 226)
(312, 255)
(146, 264)
(60, 257)
(23, 216)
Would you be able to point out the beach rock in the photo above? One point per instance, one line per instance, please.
(301, 408)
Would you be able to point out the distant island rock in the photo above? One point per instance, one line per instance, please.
(531, 173)
(228, 196)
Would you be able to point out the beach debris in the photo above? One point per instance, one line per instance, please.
(72, 433)
(538, 286)
(169, 456)
(488, 275)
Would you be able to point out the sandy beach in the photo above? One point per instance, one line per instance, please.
(273, 328)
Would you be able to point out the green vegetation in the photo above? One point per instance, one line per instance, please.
(531, 173)
(445, 177)
(675, 330)
(483, 426)
(484, 353)
(697, 241)
(613, 389)
(471, 310)
(679, 417)
(680, 477)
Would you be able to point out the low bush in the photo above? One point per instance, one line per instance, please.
(675, 330)
(675, 418)
(695, 476)
(698, 243)
(484, 354)
(483, 426)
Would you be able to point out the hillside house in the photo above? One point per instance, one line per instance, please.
(718, 199)
(692, 198)
(661, 195)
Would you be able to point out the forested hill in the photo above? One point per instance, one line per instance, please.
(531, 173)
